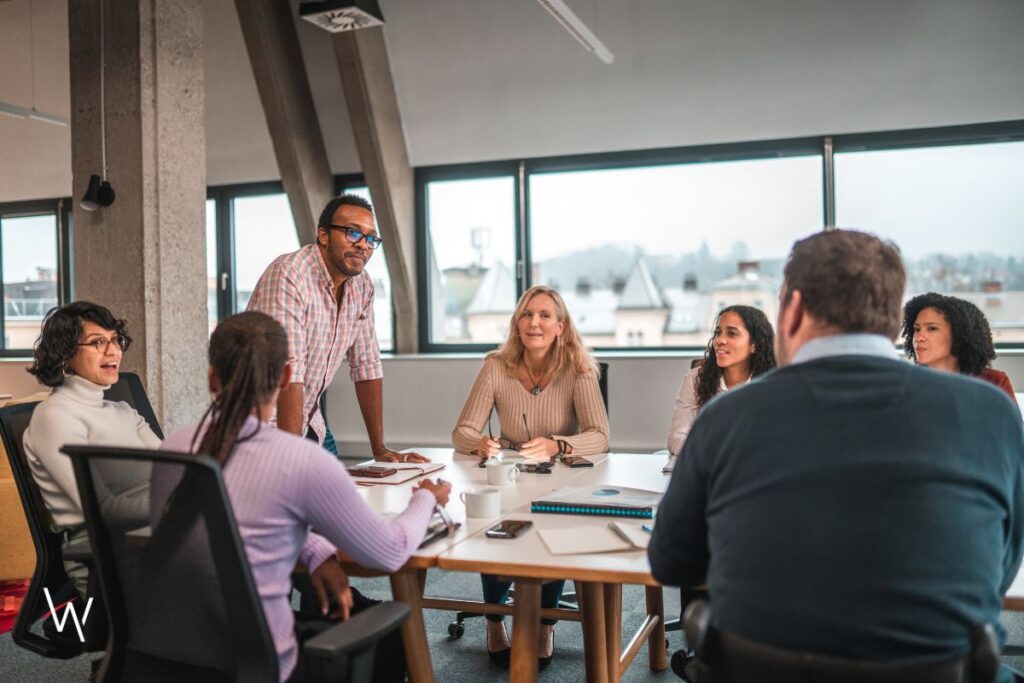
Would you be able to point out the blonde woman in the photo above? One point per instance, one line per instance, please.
(543, 384)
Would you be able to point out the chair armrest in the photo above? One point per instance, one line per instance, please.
(360, 630)
(79, 552)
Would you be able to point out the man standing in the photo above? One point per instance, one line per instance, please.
(324, 299)
(848, 503)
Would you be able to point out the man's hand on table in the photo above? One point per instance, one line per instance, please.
(330, 579)
(441, 490)
(388, 455)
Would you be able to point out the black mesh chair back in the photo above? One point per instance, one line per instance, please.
(49, 569)
(130, 390)
(602, 382)
(724, 657)
(180, 597)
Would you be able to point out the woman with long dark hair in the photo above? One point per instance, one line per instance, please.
(951, 334)
(740, 349)
(282, 486)
(78, 355)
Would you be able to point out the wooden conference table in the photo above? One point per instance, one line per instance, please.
(526, 561)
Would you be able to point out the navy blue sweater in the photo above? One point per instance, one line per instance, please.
(853, 506)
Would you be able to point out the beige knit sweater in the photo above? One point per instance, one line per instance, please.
(569, 408)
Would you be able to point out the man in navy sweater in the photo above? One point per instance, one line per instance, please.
(848, 503)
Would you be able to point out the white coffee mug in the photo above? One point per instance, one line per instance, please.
(482, 503)
(502, 473)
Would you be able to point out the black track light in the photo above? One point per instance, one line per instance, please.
(97, 194)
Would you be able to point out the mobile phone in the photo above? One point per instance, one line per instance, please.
(576, 461)
(509, 528)
(372, 471)
(535, 468)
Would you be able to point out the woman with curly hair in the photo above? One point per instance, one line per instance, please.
(951, 334)
(78, 355)
(740, 348)
(543, 383)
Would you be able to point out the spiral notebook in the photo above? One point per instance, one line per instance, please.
(405, 472)
(613, 501)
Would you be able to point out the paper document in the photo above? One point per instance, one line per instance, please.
(406, 471)
(591, 539)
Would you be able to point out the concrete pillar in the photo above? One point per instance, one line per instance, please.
(377, 126)
(273, 46)
(144, 257)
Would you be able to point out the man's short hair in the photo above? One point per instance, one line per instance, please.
(327, 215)
(848, 279)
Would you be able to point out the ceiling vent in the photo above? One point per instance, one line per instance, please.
(337, 16)
(577, 29)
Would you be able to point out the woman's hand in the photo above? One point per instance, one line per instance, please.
(329, 579)
(441, 490)
(488, 447)
(539, 448)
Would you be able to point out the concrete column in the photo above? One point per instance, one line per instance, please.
(377, 125)
(144, 257)
(273, 46)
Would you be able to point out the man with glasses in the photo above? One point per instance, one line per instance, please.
(323, 297)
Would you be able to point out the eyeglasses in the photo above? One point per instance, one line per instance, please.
(101, 344)
(353, 235)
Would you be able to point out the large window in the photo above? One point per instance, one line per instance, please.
(470, 259)
(648, 256)
(957, 214)
(29, 240)
(212, 271)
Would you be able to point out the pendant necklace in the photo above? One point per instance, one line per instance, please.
(536, 382)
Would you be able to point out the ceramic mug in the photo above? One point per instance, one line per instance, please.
(502, 473)
(482, 503)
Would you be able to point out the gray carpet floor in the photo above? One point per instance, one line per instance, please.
(455, 661)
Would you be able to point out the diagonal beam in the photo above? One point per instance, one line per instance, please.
(273, 46)
(377, 125)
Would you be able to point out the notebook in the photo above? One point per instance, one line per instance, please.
(613, 537)
(406, 471)
(615, 501)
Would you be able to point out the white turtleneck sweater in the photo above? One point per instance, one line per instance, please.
(76, 413)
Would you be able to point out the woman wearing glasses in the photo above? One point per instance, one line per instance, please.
(78, 355)
(543, 384)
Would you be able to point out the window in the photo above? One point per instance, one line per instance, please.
(212, 271)
(470, 259)
(263, 230)
(31, 276)
(956, 213)
(647, 256)
(377, 267)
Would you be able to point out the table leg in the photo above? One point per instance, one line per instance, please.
(656, 655)
(407, 587)
(525, 631)
(613, 628)
(591, 601)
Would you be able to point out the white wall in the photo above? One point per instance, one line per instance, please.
(424, 394)
(496, 79)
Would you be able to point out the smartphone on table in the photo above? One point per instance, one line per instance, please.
(576, 461)
(509, 528)
(372, 471)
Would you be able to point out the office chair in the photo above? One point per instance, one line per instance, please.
(724, 657)
(49, 571)
(180, 597)
(602, 383)
(129, 389)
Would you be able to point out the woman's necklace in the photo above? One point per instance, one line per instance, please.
(536, 382)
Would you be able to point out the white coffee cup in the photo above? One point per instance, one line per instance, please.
(482, 503)
(502, 473)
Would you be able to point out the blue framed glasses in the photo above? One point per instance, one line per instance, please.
(353, 235)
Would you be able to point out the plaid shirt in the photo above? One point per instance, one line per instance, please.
(296, 290)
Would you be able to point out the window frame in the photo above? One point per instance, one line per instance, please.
(61, 208)
(825, 146)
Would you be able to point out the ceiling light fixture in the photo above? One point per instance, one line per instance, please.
(577, 29)
(100, 193)
(337, 16)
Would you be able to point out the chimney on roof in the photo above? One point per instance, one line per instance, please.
(618, 284)
(750, 269)
(583, 287)
(690, 282)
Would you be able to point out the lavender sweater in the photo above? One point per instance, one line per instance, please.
(281, 485)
